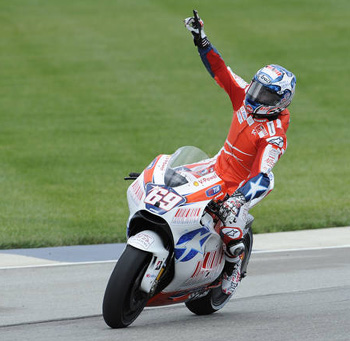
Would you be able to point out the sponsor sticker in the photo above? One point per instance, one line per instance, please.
(213, 190)
(269, 159)
(143, 239)
(211, 177)
(264, 79)
(250, 120)
(239, 116)
(260, 130)
(271, 128)
(274, 70)
(165, 162)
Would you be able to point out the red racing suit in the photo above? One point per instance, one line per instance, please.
(253, 145)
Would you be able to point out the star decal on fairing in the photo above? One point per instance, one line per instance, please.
(191, 243)
(255, 188)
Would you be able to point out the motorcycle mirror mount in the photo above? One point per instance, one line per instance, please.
(132, 176)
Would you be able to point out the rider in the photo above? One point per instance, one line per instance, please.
(255, 142)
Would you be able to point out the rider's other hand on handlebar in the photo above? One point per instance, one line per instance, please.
(230, 208)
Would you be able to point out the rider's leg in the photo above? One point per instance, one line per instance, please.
(234, 248)
(232, 235)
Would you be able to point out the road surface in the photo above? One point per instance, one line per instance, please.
(300, 293)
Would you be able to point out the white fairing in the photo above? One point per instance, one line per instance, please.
(199, 255)
(150, 241)
(200, 259)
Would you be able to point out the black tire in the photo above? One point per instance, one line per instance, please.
(248, 243)
(216, 299)
(123, 301)
(208, 304)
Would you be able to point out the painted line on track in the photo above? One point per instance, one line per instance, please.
(50, 265)
(303, 249)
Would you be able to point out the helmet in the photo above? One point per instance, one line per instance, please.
(270, 91)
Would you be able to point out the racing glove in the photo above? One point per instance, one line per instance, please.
(195, 26)
(229, 209)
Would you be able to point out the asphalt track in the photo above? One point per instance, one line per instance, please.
(297, 288)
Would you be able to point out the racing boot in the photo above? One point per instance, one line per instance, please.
(232, 270)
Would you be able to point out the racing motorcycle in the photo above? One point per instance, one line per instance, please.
(174, 253)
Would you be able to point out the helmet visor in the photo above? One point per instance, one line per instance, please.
(260, 94)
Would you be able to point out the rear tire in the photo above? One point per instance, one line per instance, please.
(123, 301)
(216, 299)
(248, 243)
(208, 304)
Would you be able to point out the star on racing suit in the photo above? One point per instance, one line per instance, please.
(252, 148)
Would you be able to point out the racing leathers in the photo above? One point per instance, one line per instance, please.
(252, 148)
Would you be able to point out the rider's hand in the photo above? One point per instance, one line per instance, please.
(229, 209)
(195, 26)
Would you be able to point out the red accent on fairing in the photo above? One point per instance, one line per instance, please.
(201, 194)
(166, 298)
(198, 267)
(206, 260)
(148, 173)
(214, 258)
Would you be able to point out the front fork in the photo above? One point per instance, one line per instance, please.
(150, 241)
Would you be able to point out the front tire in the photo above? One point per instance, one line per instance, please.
(123, 301)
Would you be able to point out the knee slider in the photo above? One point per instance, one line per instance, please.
(231, 234)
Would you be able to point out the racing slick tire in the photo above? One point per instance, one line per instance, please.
(210, 303)
(123, 300)
(216, 299)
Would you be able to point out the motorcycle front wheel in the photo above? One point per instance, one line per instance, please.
(123, 301)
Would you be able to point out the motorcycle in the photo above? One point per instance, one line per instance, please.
(174, 252)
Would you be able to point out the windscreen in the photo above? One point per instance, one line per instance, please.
(182, 157)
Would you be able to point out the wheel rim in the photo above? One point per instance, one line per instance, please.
(218, 298)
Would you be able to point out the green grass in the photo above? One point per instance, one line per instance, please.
(90, 90)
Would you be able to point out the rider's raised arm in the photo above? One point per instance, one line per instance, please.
(233, 85)
(230, 82)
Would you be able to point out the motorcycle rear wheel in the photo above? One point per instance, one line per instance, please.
(123, 301)
(208, 304)
(216, 299)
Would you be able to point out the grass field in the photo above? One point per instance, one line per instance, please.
(91, 90)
